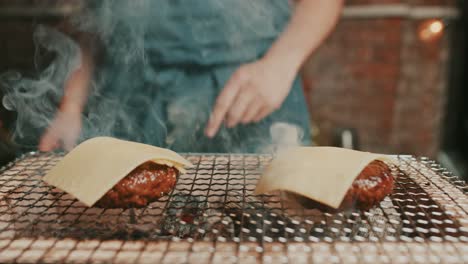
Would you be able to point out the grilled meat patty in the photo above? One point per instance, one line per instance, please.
(368, 189)
(144, 185)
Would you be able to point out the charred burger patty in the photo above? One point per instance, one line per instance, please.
(144, 185)
(368, 189)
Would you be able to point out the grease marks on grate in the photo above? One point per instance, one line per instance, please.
(213, 202)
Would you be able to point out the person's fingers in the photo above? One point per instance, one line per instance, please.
(252, 111)
(239, 108)
(69, 142)
(222, 105)
(49, 142)
(265, 111)
(68, 145)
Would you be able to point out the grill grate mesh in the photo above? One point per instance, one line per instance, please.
(212, 214)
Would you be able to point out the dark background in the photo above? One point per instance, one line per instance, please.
(455, 140)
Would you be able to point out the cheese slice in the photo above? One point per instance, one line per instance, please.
(323, 174)
(96, 165)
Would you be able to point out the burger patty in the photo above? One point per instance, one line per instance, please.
(144, 185)
(368, 189)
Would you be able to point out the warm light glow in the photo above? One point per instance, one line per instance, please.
(431, 30)
(436, 26)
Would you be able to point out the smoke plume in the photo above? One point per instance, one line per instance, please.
(121, 28)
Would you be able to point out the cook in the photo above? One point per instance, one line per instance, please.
(216, 74)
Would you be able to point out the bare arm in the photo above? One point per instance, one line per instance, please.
(257, 89)
(310, 24)
(77, 86)
(64, 130)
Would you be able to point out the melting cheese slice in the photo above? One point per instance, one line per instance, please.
(323, 174)
(96, 165)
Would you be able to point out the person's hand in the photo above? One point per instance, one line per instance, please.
(253, 92)
(63, 132)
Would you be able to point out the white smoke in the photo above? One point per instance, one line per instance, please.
(284, 135)
(35, 99)
(121, 28)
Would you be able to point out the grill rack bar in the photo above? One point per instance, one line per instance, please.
(427, 211)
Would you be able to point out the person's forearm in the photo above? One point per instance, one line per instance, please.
(310, 24)
(77, 85)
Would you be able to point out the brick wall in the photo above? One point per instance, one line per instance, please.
(375, 75)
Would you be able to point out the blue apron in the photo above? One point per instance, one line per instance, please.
(166, 62)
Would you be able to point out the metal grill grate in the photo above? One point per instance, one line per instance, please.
(212, 214)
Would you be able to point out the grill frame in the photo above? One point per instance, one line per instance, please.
(445, 189)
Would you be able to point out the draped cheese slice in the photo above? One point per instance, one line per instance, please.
(96, 165)
(323, 174)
